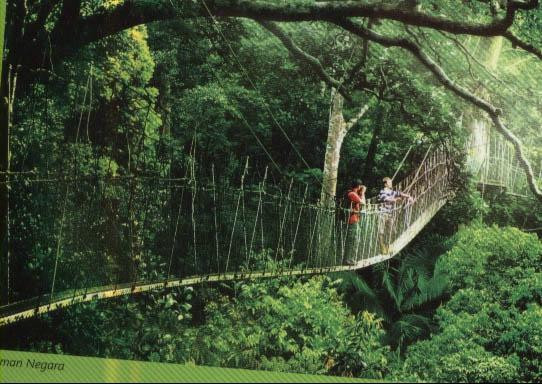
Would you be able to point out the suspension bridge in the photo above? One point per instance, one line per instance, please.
(218, 231)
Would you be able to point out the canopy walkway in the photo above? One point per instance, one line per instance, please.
(492, 160)
(221, 232)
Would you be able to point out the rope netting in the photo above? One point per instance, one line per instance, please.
(493, 160)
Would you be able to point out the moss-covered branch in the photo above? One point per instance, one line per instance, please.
(135, 12)
(304, 58)
(442, 77)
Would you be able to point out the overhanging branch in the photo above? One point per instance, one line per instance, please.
(443, 78)
(304, 57)
(135, 12)
(356, 118)
(517, 42)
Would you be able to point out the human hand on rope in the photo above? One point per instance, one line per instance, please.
(409, 199)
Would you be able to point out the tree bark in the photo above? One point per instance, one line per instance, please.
(335, 136)
(134, 12)
(517, 42)
(338, 128)
(4, 165)
(373, 146)
(77, 30)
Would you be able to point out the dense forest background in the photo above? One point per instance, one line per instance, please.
(171, 89)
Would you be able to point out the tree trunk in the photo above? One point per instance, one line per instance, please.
(338, 128)
(335, 137)
(4, 164)
(373, 146)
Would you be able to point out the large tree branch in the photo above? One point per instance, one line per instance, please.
(74, 31)
(443, 78)
(356, 118)
(135, 12)
(416, 50)
(517, 42)
(45, 9)
(304, 57)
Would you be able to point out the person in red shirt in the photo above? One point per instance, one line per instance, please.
(356, 199)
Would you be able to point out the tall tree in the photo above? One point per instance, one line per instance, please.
(4, 167)
(337, 131)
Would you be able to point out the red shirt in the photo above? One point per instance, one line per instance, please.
(355, 206)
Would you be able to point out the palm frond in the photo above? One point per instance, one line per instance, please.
(419, 260)
(407, 329)
(428, 290)
(391, 289)
(361, 296)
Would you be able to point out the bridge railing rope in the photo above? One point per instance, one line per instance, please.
(493, 161)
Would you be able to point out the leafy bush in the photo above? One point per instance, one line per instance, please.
(403, 293)
(298, 327)
(490, 330)
(491, 257)
(153, 327)
(448, 357)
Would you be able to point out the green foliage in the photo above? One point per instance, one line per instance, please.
(486, 257)
(404, 296)
(523, 337)
(504, 209)
(154, 328)
(466, 207)
(488, 331)
(445, 358)
(294, 327)
(282, 325)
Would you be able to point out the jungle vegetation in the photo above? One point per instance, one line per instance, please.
(148, 87)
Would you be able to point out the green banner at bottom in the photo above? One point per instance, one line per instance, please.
(37, 367)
